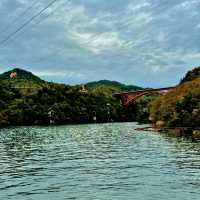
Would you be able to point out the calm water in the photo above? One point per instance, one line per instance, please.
(97, 162)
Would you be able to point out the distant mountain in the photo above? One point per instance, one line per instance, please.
(20, 75)
(22, 78)
(114, 85)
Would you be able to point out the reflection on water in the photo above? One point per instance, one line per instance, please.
(100, 162)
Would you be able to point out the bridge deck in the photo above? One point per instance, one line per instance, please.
(127, 97)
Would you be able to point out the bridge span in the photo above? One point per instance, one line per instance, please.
(126, 98)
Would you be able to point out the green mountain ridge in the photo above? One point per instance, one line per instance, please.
(26, 99)
(27, 78)
(111, 84)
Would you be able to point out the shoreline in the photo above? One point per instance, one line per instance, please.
(193, 132)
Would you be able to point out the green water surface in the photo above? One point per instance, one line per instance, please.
(97, 162)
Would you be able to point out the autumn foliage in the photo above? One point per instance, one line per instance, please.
(180, 107)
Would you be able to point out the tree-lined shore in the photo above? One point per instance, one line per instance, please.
(25, 99)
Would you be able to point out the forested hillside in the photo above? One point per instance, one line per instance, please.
(180, 107)
(191, 75)
(112, 85)
(25, 99)
(20, 75)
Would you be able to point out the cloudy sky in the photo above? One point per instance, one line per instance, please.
(150, 43)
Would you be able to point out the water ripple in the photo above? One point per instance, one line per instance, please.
(100, 162)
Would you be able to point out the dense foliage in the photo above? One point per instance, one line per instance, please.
(191, 75)
(27, 100)
(21, 75)
(116, 86)
(180, 107)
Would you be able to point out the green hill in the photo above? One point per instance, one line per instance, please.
(24, 77)
(117, 86)
(20, 75)
(19, 78)
(25, 99)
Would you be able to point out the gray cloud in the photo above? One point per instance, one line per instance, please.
(147, 42)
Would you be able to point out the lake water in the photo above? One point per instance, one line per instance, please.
(97, 162)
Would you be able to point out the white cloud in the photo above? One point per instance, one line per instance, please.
(61, 73)
(188, 4)
(98, 43)
(136, 38)
(135, 7)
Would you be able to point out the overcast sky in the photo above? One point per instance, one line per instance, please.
(150, 43)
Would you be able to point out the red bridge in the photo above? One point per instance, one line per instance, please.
(126, 98)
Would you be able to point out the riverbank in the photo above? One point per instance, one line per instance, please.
(175, 131)
(181, 132)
